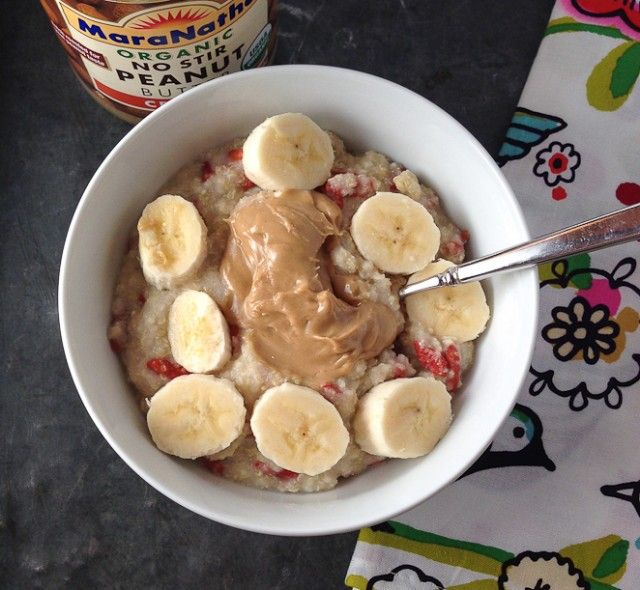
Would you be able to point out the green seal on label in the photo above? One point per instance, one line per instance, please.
(257, 50)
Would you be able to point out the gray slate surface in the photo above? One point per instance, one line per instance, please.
(72, 514)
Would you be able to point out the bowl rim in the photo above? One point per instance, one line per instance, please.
(63, 311)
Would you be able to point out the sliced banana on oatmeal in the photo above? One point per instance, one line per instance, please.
(395, 232)
(288, 151)
(298, 429)
(460, 312)
(173, 241)
(195, 415)
(198, 333)
(402, 418)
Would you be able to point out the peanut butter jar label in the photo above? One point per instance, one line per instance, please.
(149, 56)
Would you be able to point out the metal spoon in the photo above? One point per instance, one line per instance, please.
(600, 232)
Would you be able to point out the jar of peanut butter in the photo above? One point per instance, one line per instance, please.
(135, 55)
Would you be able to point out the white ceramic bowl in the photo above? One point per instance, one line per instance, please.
(370, 113)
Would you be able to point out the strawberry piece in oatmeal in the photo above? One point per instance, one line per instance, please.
(234, 334)
(452, 356)
(206, 172)
(116, 345)
(445, 364)
(334, 192)
(331, 392)
(452, 248)
(431, 359)
(166, 368)
(214, 466)
(118, 334)
(402, 367)
(359, 186)
(399, 372)
(284, 474)
(235, 155)
(365, 187)
(246, 184)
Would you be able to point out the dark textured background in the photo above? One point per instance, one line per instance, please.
(72, 514)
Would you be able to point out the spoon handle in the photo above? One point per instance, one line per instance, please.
(600, 232)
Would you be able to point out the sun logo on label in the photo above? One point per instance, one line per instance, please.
(162, 20)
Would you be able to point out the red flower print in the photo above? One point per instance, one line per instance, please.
(559, 193)
(628, 193)
(627, 10)
(557, 163)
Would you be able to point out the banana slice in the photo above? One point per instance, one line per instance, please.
(196, 415)
(198, 333)
(459, 312)
(288, 151)
(298, 429)
(173, 241)
(402, 418)
(395, 232)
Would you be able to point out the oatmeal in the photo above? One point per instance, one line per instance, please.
(304, 313)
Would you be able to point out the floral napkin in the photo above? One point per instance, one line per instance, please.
(554, 502)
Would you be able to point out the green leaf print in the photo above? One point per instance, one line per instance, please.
(476, 585)
(561, 268)
(603, 561)
(569, 25)
(613, 79)
(626, 72)
(356, 581)
(613, 561)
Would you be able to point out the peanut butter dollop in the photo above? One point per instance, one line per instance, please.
(281, 282)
